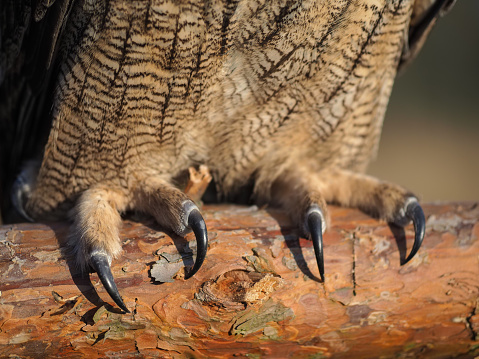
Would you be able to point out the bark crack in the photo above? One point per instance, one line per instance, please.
(471, 322)
(353, 269)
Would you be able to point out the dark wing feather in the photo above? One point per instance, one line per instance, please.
(29, 35)
(424, 17)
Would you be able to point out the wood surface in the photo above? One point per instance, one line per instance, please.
(257, 294)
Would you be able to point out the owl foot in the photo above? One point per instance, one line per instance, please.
(100, 261)
(173, 209)
(315, 224)
(305, 195)
(94, 241)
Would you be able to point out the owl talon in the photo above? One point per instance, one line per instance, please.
(315, 226)
(198, 225)
(100, 263)
(416, 214)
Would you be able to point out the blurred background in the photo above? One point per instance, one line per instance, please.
(430, 139)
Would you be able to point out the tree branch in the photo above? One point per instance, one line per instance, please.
(257, 293)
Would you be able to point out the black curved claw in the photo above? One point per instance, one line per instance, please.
(416, 214)
(99, 262)
(316, 230)
(198, 225)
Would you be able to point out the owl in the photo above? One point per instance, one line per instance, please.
(105, 104)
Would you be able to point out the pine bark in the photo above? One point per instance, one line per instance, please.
(257, 294)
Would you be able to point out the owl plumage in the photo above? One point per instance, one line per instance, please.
(288, 95)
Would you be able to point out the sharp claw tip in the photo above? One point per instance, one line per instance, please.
(125, 309)
(189, 272)
(416, 214)
(101, 265)
(315, 220)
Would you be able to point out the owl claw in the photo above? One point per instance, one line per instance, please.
(198, 225)
(315, 226)
(100, 263)
(416, 214)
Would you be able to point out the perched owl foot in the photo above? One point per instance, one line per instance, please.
(305, 198)
(94, 241)
(412, 212)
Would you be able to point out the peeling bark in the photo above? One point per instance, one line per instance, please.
(257, 293)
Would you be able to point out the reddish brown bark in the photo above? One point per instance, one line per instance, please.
(257, 293)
